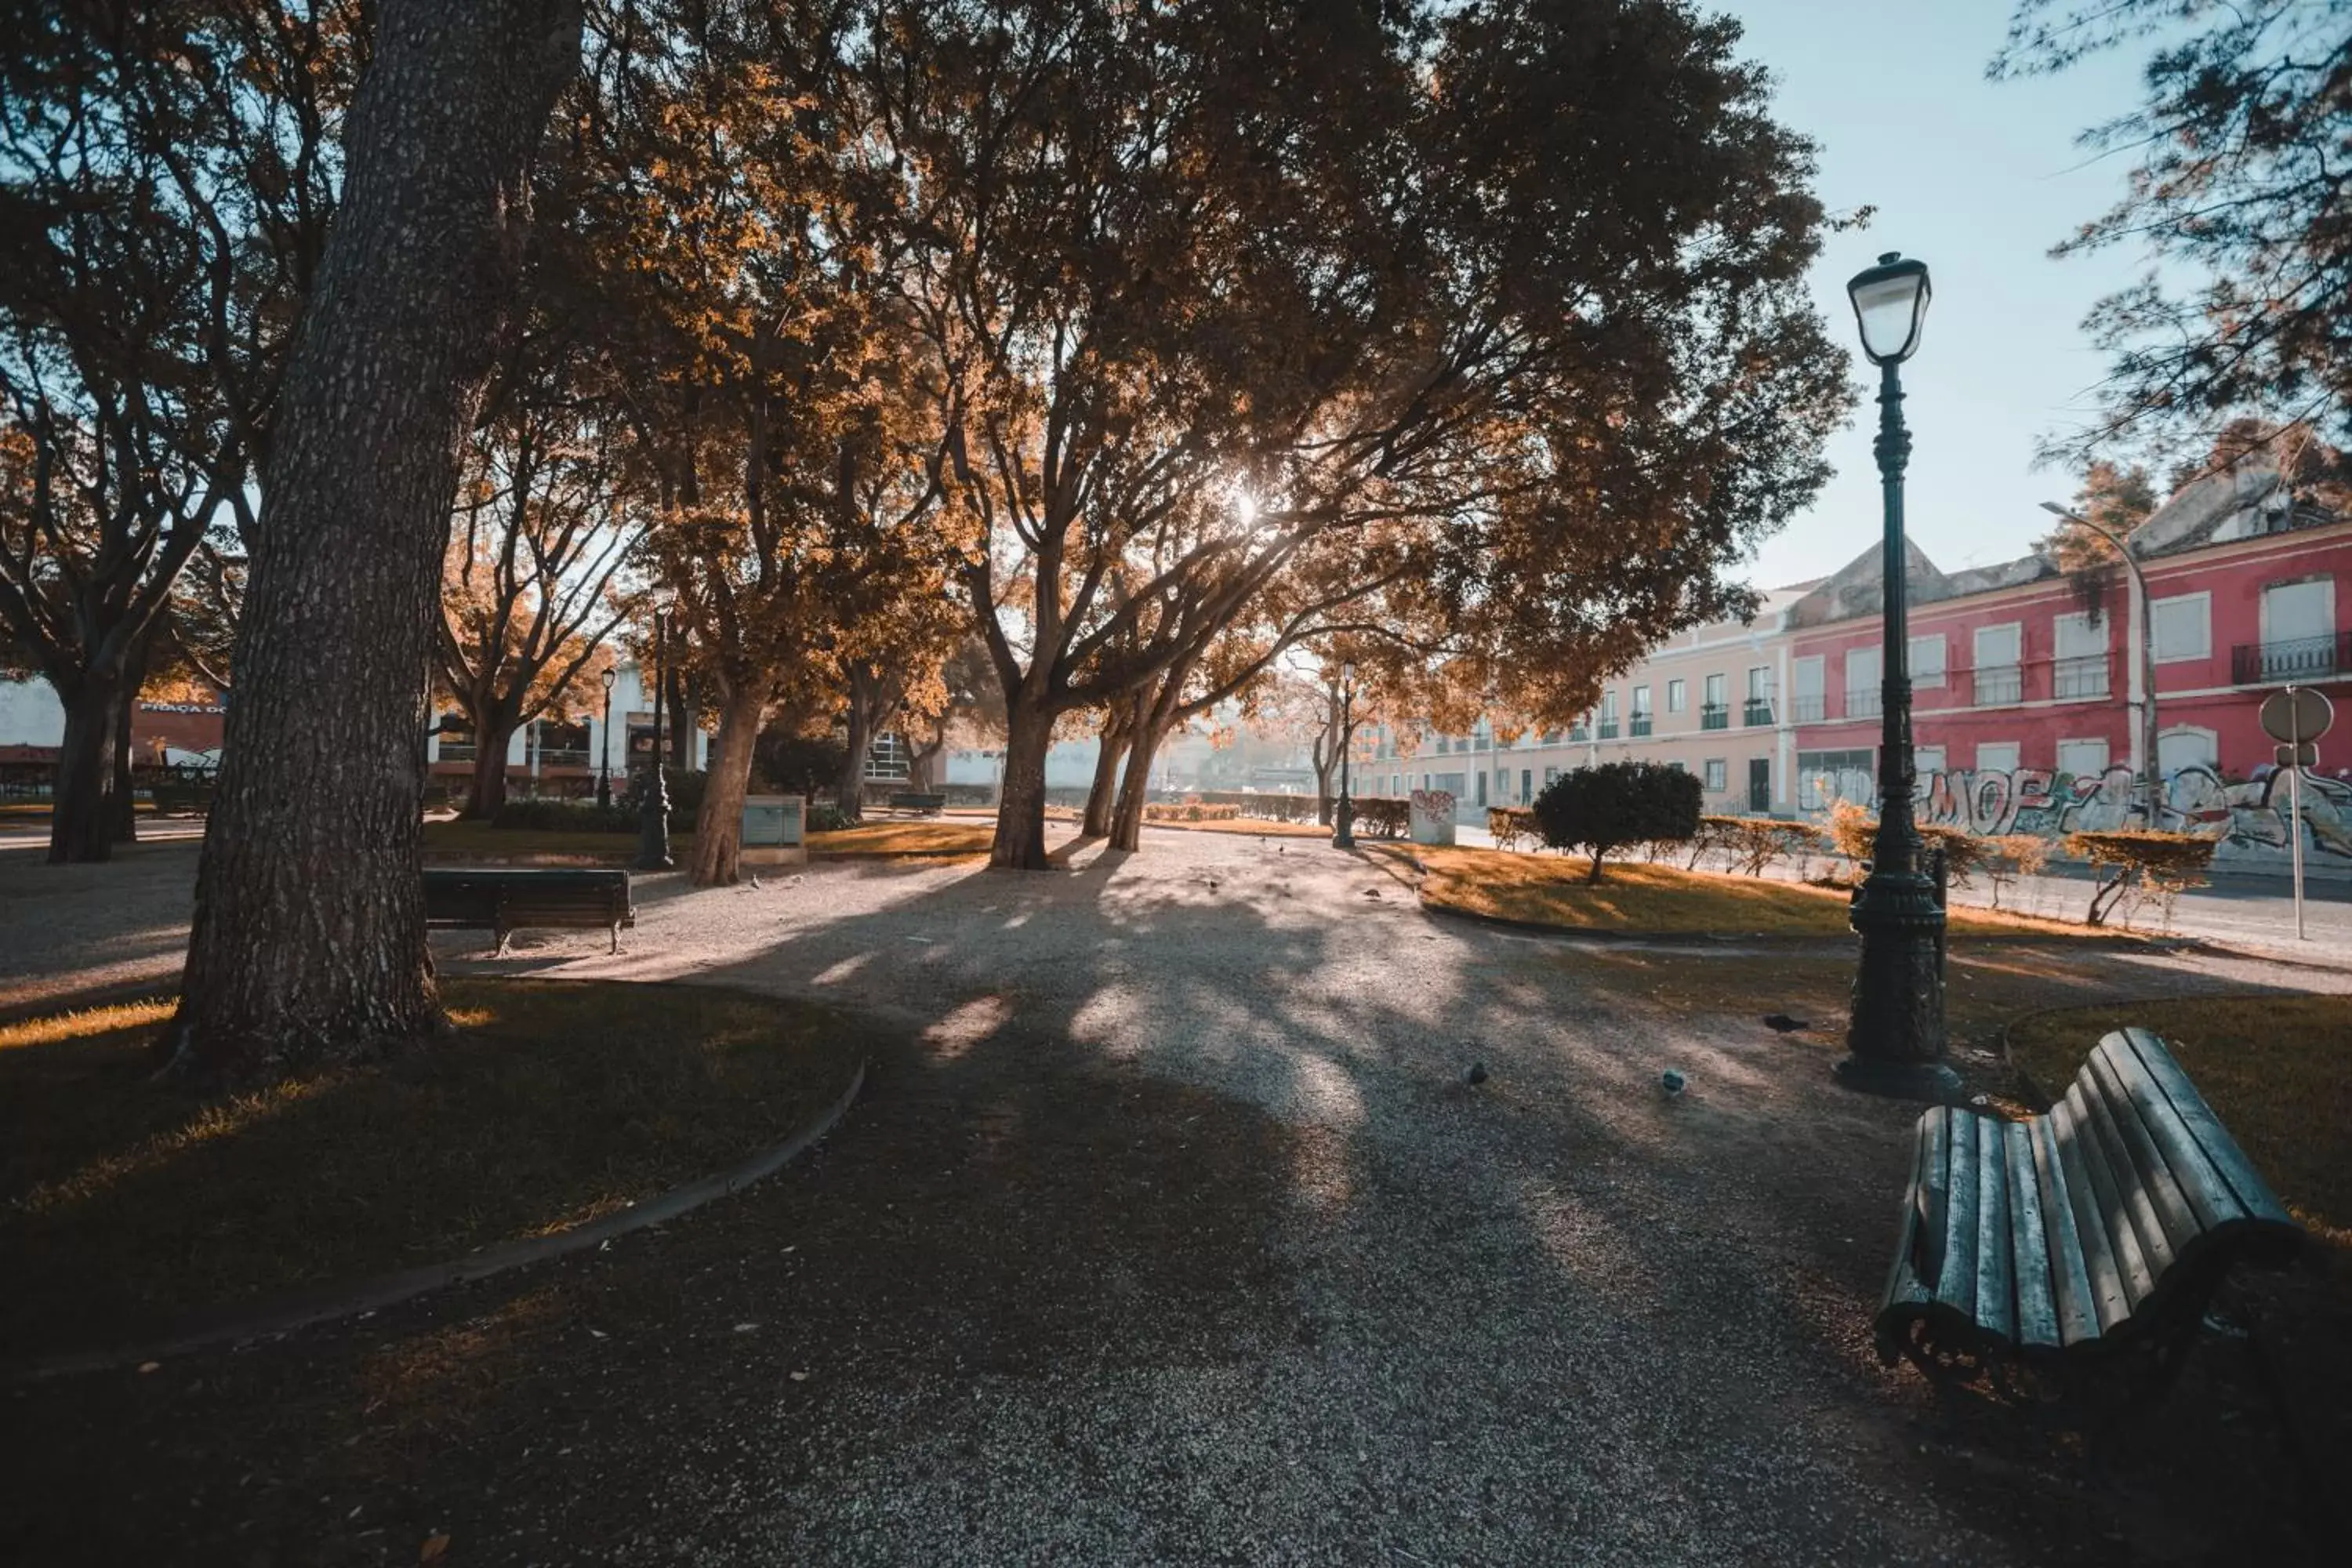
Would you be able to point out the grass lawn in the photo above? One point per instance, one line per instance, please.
(2276, 1069)
(1638, 896)
(890, 838)
(121, 1198)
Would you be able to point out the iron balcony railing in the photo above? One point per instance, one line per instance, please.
(456, 751)
(1641, 725)
(2082, 677)
(1578, 734)
(1868, 703)
(1810, 710)
(1609, 728)
(1999, 683)
(2296, 658)
(1715, 716)
(1758, 711)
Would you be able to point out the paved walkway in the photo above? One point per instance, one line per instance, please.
(1171, 1233)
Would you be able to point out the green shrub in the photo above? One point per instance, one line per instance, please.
(2140, 865)
(685, 795)
(783, 763)
(1602, 808)
(824, 816)
(1511, 826)
(1379, 817)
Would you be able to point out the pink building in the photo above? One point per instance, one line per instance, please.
(2028, 685)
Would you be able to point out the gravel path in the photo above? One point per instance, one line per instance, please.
(1171, 1233)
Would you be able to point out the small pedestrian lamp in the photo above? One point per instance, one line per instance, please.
(653, 820)
(1343, 817)
(1894, 1040)
(604, 755)
(2150, 769)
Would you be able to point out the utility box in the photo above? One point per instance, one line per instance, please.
(775, 830)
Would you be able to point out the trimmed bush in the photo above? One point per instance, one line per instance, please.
(824, 816)
(1190, 811)
(1379, 817)
(1599, 809)
(2140, 865)
(1513, 825)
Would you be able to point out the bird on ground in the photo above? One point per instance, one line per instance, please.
(755, 879)
(1785, 1024)
(1672, 1081)
(1371, 892)
(1477, 1073)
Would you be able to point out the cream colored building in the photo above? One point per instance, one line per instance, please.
(1708, 701)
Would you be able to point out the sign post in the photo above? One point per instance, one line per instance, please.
(2296, 717)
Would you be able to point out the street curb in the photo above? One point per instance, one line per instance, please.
(1585, 934)
(284, 1314)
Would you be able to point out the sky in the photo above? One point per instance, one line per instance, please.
(1979, 179)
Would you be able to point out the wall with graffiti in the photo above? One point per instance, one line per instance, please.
(2250, 817)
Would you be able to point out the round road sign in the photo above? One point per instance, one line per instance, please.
(2296, 714)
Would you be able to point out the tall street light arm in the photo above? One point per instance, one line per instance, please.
(2150, 769)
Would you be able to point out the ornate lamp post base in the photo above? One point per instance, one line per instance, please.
(1343, 825)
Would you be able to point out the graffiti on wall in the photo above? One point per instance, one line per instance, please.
(2251, 817)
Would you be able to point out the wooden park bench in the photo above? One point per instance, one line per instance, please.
(504, 901)
(920, 804)
(2094, 1234)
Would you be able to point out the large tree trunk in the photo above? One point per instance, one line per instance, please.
(493, 735)
(1102, 796)
(1020, 842)
(82, 804)
(923, 765)
(849, 783)
(121, 798)
(718, 827)
(1154, 715)
(309, 944)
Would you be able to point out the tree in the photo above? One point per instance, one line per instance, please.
(1599, 809)
(168, 175)
(2117, 498)
(1413, 302)
(309, 943)
(2240, 182)
(543, 525)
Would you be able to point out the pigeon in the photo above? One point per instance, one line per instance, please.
(1371, 892)
(1477, 1073)
(1672, 1081)
(755, 879)
(1784, 1024)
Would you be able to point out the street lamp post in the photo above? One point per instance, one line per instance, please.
(605, 753)
(1895, 1041)
(652, 819)
(1343, 815)
(2151, 771)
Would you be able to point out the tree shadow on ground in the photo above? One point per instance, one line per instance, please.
(1167, 1180)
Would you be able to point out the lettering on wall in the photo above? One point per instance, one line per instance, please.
(2251, 818)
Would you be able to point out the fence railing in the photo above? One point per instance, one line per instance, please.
(1810, 710)
(1609, 728)
(1867, 703)
(1757, 711)
(1641, 725)
(1998, 683)
(2294, 658)
(1715, 716)
(2082, 677)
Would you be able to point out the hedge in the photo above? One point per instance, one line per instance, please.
(1190, 811)
(2141, 864)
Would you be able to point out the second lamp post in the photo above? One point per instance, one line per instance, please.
(653, 819)
(1894, 1040)
(1343, 815)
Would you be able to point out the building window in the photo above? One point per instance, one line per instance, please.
(1677, 696)
(1926, 657)
(1809, 706)
(2084, 759)
(1526, 785)
(1824, 778)
(1997, 757)
(886, 760)
(2080, 668)
(2183, 627)
(1718, 774)
(2186, 746)
(1550, 773)
(1998, 679)
(2299, 637)
(1863, 675)
(1926, 760)
(1760, 695)
(1715, 713)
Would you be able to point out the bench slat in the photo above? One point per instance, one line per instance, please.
(2139, 1235)
(2114, 1196)
(2207, 1191)
(2028, 1241)
(2069, 1270)
(2212, 1138)
(1935, 1181)
(1996, 1294)
(1955, 1282)
(2109, 1297)
(1904, 1285)
(2165, 1204)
